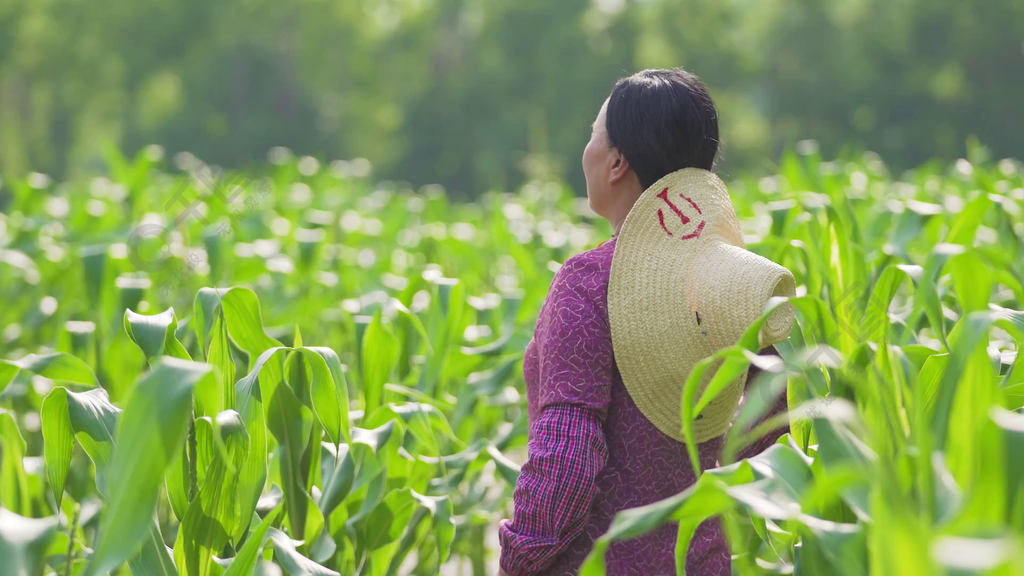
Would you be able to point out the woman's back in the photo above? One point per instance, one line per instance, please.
(575, 364)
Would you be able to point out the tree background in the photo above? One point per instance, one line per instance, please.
(480, 94)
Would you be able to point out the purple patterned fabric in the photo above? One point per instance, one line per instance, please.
(591, 452)
(566, 443)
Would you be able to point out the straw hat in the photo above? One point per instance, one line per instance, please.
(683, 286)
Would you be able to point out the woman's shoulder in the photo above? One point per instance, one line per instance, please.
(591, 265)
(585, 275)
(572, 354)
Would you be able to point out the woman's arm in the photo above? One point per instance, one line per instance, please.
(566, 449)
(555, 488)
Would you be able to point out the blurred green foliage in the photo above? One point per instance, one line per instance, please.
(326, 372)
(477, 95)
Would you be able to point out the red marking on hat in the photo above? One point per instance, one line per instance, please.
(664, 196)
(682, 217)
(692, 203)
(661, 218)
(695, 233)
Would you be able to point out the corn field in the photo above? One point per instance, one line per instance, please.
(300, 370)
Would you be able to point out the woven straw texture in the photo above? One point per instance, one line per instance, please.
(682, 287)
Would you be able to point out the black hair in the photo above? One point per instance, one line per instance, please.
(662, 120)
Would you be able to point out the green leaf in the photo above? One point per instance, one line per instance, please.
(508, 469)
(876, 316)
(775, 476)
(56, 366)
(965, 226)
(244, 562)
(250, 404)
(413, 319)
(443, 524)
(410, 537)
(295, 564)
(92, 419)
(324, 397)
(373, 447)
(734, 362)
(443, 325)
(927, 296)
(947, 494)
(1011, 426)
(425, 422)
(205, 309)
(972, 279)
(333, 362)
(703, 499)
(93, 264)
(23, 543)
(8, 372)
(205, 446)
(839, 449)
(14, 483)
(220, 356)
(245, 323)
(58, 440)
(342, 478)
(214, 514)
(177, 482)
(387, 521)
(290, 423)
(153, 558)
(841, 548)
(155, 334)
(966, 340)
(492, 348)
(149, 435)
(380, 355)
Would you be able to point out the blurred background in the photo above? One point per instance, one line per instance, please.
(484, 94)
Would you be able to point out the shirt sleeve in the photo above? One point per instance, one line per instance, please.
(573, 338)
(555, 488)
(566, 448)
(779, 405)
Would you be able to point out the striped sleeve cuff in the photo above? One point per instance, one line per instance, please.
(552, 497)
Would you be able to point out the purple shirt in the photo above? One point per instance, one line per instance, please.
(591, 452)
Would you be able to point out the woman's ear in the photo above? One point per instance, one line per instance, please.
(619, 167)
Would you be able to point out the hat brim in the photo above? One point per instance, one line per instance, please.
(682, 289)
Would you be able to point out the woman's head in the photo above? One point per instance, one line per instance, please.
(654, 122)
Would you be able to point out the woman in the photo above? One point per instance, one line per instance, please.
(591, 451)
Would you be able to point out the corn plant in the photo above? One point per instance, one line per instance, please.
(208, 441)
(902, 377)
(162, 413)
